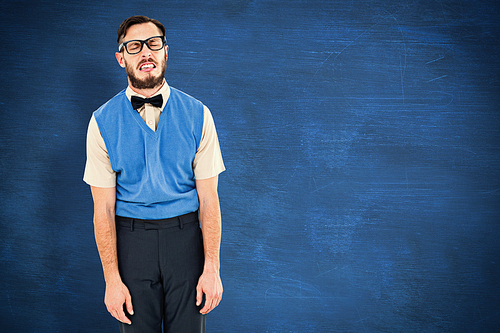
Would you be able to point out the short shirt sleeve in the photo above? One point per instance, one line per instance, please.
(98, 171)
(208, 159)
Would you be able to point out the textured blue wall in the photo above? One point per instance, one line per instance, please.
(361, 138)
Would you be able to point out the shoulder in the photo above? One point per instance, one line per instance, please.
(177, 94)
(110, 105)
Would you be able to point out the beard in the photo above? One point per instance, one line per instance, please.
(151, 81)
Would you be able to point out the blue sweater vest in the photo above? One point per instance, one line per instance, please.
(154, 172)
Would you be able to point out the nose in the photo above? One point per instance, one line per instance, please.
(145, 52)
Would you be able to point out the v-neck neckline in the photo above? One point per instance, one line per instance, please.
(143, 124)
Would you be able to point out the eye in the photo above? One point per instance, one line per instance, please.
(134, 46)
(155, 42)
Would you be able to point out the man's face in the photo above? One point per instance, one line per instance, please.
(146, 69)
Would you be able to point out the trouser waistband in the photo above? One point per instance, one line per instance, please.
(157, 224)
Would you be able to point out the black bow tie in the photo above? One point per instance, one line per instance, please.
(137, 102)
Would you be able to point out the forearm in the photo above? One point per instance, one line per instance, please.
(105, 236)
(105, 231)
(210, 221)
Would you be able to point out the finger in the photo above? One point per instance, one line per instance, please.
(120, 315)
(115, 315)
(215, 301)
(128, 304)
(199, 296)
(205, 309)
(208, 306)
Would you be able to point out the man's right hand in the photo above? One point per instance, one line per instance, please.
(117, 295)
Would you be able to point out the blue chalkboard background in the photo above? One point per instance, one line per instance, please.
(362, 146)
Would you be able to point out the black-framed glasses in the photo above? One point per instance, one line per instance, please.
(155, 43)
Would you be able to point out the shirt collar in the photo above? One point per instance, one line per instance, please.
(164, 91)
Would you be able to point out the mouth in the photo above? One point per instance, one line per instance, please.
(147, 67)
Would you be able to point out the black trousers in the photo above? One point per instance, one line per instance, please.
(160, 261)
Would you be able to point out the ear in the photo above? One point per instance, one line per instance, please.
(166, 52)
(119, 58)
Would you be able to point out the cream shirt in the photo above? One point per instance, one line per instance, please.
(207, 162)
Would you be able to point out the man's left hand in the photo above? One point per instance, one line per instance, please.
(209, 284)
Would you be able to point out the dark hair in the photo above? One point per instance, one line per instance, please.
(138, 19)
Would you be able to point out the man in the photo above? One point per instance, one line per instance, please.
(153, 160)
